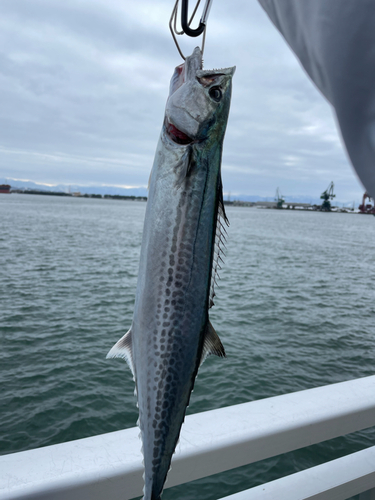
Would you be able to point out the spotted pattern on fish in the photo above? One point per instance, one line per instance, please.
(172, 318)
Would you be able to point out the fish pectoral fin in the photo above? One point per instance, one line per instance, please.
(184, 166)
(212, 344)
(123, 349)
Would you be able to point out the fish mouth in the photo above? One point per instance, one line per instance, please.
(176, 135)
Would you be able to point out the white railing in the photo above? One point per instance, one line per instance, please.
(109, 466)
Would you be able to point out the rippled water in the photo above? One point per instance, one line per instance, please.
(295, 309)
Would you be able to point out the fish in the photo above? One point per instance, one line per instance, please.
(182, 243)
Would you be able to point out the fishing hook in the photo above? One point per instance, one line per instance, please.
(185, 23)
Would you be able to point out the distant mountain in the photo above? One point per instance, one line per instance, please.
(142, 191)
(134, 191)
(291, 199)
(23, 184)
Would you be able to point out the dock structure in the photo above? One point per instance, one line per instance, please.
(286, 204)
(266, 204)
(110, 465)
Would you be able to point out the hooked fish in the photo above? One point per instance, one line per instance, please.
(183, 231)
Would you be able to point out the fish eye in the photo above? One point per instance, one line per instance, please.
(215, 94)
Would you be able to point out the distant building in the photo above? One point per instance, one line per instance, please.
(76, 193)
(294, 204)
(286, 204)
(266, 204)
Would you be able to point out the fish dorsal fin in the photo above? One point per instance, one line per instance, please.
(123, 349)
(220, 239)
(212, 344)
(221, 211)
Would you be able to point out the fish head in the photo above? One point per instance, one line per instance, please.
(198, 102)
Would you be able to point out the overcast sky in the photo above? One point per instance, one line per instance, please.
(83, 85)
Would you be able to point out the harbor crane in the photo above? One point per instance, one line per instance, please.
(279, 199)
(326, 197)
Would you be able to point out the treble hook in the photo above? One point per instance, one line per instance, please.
(185, 22)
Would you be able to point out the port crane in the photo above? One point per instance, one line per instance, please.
(326, 196)
(279, 199)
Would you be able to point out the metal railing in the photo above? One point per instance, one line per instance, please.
(109, 466)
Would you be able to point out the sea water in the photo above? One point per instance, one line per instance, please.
(294, 309)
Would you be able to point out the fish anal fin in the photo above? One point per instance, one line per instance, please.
(123, 349)
(212, 344)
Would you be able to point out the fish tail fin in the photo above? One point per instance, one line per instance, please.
(212, 344)
(123, 349)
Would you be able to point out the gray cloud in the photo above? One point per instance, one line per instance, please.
(83, 87)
